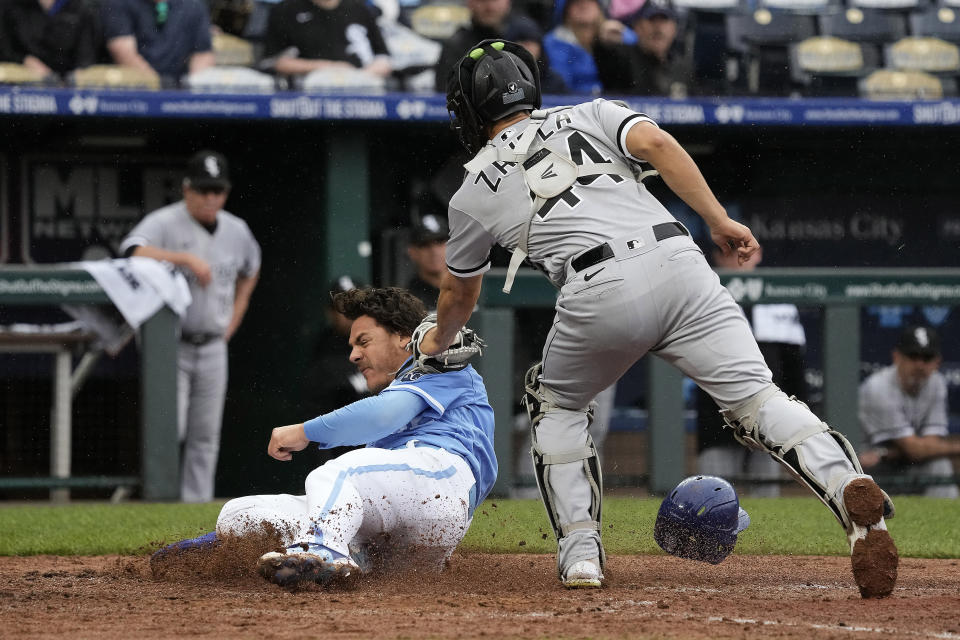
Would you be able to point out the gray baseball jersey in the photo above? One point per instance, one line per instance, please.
(485, 210)
(887, 412)
(231, 251)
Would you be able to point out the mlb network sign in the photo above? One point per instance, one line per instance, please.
(81, 208)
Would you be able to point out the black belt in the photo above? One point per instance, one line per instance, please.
(199, 339)
(604, 251)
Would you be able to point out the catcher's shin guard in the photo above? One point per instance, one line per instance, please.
(538, 402)
(819, 457)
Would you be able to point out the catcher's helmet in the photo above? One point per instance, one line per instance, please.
(495, 78)
(700, 520)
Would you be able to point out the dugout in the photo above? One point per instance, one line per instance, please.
(325, 182)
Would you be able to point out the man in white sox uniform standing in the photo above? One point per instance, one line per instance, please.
(221, 260)
(562, 189)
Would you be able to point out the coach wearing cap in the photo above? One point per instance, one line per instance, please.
(427, 252)
(220, 258)
(903, 413)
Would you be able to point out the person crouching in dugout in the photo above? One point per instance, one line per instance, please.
(428, 462)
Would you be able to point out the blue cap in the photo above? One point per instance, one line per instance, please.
(653, 9)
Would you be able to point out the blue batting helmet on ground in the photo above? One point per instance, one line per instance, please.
(700, 520)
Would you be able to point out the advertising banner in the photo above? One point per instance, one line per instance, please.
(81, 207)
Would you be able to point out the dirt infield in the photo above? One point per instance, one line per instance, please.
(490, 596)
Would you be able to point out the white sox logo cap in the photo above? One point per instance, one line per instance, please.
(919, 342)
(208, 170)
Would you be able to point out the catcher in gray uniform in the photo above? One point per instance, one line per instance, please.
(562, 189)
(221, 260)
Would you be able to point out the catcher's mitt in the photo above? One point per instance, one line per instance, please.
(465, 345)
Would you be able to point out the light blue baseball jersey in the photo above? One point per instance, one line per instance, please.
(445, 410)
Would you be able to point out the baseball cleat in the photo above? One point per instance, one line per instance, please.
(583, 575)
(873, 554)
(200, 543)
(317, 564)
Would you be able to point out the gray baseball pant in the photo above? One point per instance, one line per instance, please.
(658, 297)
(201, 390)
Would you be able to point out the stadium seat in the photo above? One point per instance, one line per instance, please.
(412, 56)
(863, 25)
(340, 79)
(408, 49)
(224, 79)
(871, 28)
(13, 73)
(923, 54)
(232, 51)
(937, 22)
(111, 76)
(709, 5)
(812, 7)
(889, 84)
(439, 21)
(760, 42)
(831, 66)
(885, 4)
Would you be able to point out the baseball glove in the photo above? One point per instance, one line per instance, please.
(466, 344)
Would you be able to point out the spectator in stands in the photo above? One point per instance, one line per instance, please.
(903, 414)
(309, 35)
(427, 251)
(582, 48)
(529, 35)
(657, 66)
(488, 19)
(170, 38)
(48, 36)
(782, 342)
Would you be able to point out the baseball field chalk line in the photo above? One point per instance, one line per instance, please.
(902, 633)
(836, 627)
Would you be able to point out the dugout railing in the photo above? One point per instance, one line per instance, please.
(840, 292)
(159, 477)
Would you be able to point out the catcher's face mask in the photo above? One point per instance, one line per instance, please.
(495, 78)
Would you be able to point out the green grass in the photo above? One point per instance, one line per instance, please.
(923, 527)
(98, 529)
